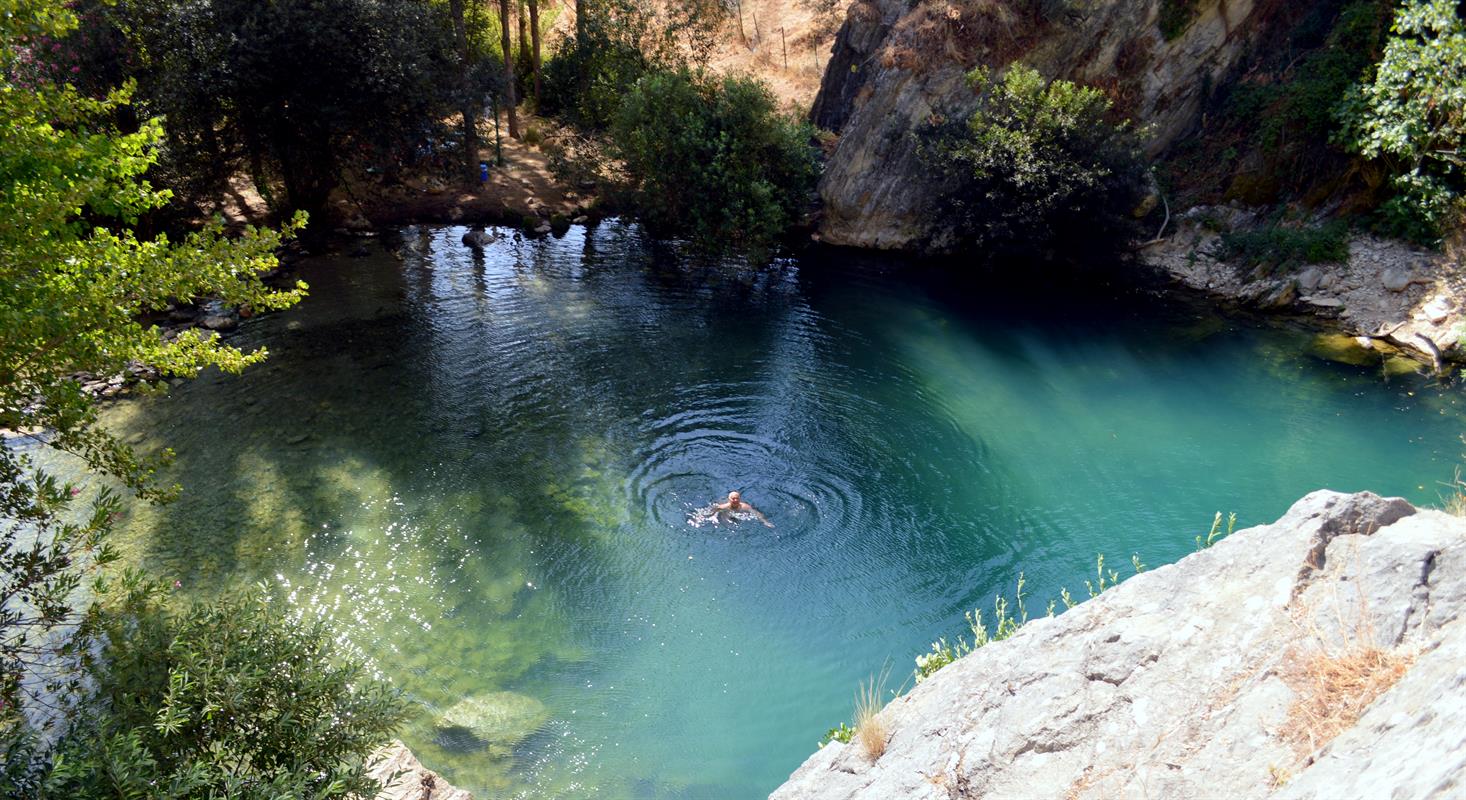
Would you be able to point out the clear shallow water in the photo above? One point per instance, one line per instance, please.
(482, 468)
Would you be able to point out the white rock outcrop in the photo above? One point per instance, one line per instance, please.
(1181, 682)
(403, 777)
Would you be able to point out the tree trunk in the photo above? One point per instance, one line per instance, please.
(534, 32)
(468, 99)
(506, 40)
(579, 22)
(523, 34)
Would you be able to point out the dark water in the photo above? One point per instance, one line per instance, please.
(482, 466)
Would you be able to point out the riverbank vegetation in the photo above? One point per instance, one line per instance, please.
(314, 105)
(1352, 109)
(1038, 166)
(104, 691)
(711, 156)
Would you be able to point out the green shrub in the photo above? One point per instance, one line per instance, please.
(1279, 248)
(712, 157)
(616, 43)
(1410, 115)
(231, 699)
(585, 82)
(1037, 167)
(842, 733)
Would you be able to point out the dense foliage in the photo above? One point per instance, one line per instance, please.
(1411, 114)
(232, 699)
(712, 156)
(1279, 247)
(616, 43)
(292, 91)
(75, 280)
(227, 700)
(1038, 167)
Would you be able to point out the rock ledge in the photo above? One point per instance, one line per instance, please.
(1178, 683)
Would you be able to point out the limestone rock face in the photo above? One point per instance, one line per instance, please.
(403, 777)
(896, 65)
(1180, 682)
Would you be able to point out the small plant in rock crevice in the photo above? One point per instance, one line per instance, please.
(842, 733)
(1215, 534)
(1010, 616)
(871, 730)
(1336, 681)
(1454, 502)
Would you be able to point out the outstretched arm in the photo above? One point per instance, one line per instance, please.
(760, 515)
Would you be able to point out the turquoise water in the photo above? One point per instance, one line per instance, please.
(481, 467)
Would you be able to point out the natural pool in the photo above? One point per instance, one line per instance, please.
(481, 466)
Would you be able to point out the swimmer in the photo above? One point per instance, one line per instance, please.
(735, 505)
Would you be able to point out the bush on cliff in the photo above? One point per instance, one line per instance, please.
(712, 157)
(1037, 168)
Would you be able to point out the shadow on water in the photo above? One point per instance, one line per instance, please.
(480, 464)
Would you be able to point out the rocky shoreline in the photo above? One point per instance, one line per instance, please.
(1388, 295)
(403, 777)
(1319, 656)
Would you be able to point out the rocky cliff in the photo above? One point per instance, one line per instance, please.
(897, 66)
(1320, 656)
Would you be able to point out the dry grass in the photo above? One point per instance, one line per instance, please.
(1336, 682)
(870, 729)
(1454, 502)
(1337, 688)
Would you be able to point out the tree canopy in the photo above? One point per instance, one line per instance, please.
(1411, 114)
(1036, 166)
(292, 91)
(712, 157)
(76, 284)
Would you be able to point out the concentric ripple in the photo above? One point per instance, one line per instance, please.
(720, 441)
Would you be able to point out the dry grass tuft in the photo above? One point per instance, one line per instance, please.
(1454, 503)
(1335, 688)
(870, 728)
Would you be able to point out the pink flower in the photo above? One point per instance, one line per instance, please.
(75, 491)
(75, 70)
(178, 584)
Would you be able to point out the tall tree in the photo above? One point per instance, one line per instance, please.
(506, 40)
(468, 98)
(523, 20)
(301, 89)
(534, 32)
(76, 281)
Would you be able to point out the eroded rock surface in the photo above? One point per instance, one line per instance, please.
(403, 777)
(1179, 683)
(897, 65)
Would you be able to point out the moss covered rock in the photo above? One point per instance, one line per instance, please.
(496, 720)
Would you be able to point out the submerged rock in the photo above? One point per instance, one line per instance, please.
(1356, 351)
(1185, 681)
(496, 720)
